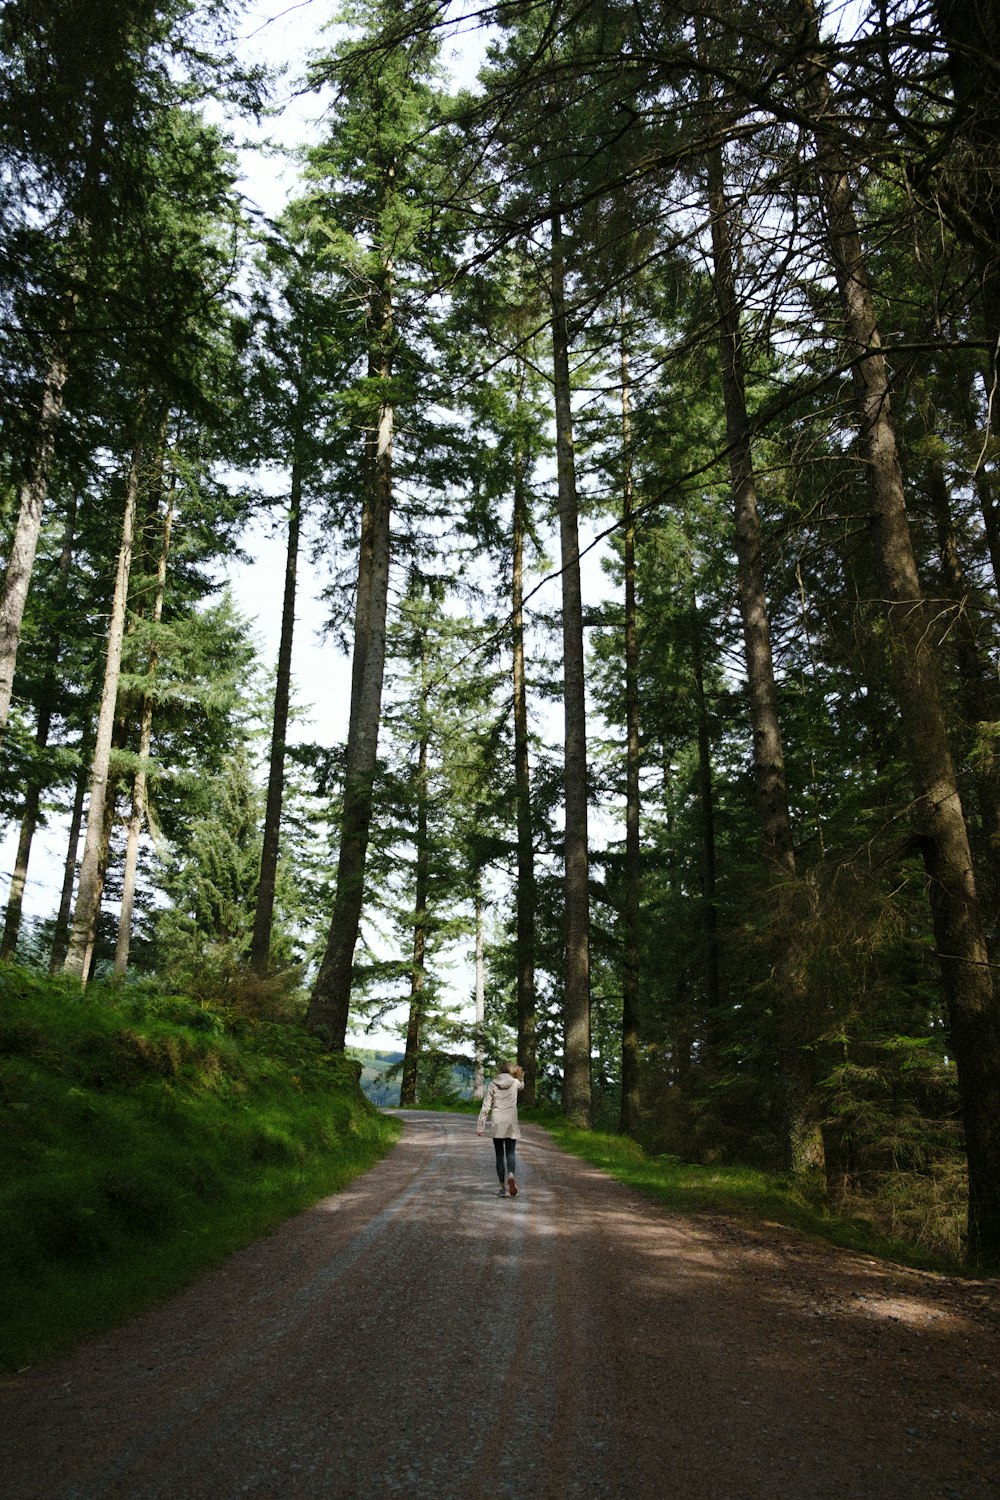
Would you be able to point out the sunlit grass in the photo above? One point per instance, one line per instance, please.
(142, 1140)
(771, 1198)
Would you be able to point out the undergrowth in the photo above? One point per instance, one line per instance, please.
(143, 1138)
(771, 1197)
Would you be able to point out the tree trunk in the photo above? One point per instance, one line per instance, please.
(29, 524)
(60, 935)
(977, 696)
(814, 669)
(958, 928)
(991, 522)
(984, 480)
(478, 1081)
(966, 180)
(706, 797)
(29, 822)
(408, 1086)
(576, 1002)
(803, 1140)
(104, 854)
(631, 1052)
(768, 753)
(139, 781)
(526, 893)
(329, 1005)
(88, 900)
(29, 818)
(261, 943)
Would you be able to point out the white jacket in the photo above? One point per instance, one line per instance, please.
(501, 1101)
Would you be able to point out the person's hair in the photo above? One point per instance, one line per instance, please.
(518, 1072)
(504, 1068)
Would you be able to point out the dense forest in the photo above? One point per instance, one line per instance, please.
(711, 294)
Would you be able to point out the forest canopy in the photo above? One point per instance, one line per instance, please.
(707, 835)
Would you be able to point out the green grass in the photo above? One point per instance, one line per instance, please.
(142, 1139)
(771, 1198)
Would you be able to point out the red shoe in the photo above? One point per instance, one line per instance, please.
(512, 1187)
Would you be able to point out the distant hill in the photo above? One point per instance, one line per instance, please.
(374, 1085)
(383, 1091)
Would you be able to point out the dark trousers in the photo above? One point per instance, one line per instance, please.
(505, 1146)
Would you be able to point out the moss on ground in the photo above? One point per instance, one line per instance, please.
(143, 1138)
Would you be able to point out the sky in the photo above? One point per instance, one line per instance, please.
(321, 673)
(284, 35)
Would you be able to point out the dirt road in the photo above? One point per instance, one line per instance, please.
(417, 1336)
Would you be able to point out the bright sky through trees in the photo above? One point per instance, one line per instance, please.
(711, 296)
(284, 36)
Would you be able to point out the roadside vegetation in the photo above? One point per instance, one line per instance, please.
(768, 1197)
(143, 1138)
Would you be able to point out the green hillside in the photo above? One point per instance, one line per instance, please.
(143, 1138)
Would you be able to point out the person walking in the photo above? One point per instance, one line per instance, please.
(500, 1103)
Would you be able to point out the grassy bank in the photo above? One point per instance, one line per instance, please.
(768, 1197)
(142, 1139)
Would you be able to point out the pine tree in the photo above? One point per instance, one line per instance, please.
(295, 369)
(376, 210)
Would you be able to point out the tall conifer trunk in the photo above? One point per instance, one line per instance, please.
(60, 935)
(576, 1002)
(104, 851)
(984, 479)
(631, 1053)
(264, 915)
(32, 799)
(768, 752)
(140, 779)
(29, 524)
(974, 1018)
(526, 891)
(706, 797)
(418, 975)
(34, 490)
(329, 1005)
(977, 693)
(967, 186)
(803, 1140)
(88, 900)
(478, 1081)
(29, 822)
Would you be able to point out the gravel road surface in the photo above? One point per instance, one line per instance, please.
(417, 1336)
